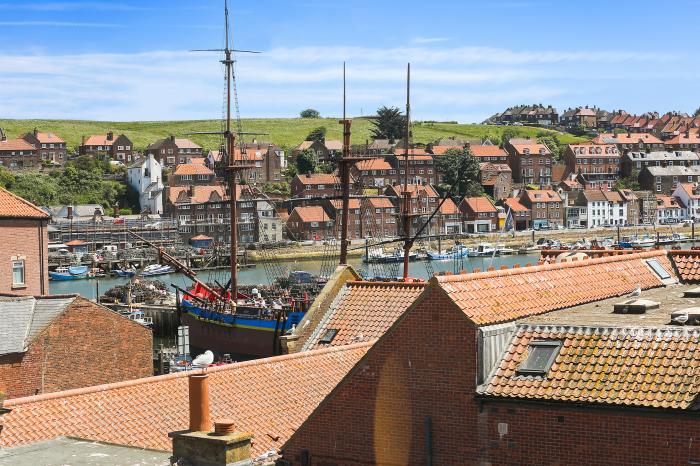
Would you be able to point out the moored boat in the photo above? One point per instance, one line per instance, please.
(483, 249)
(455, 252)
(64, 273)
(156, 269)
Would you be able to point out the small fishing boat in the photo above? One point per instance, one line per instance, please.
(502, 250)
(380, 257)
(124, 272)
(637, 242)
(140, 318)
(457, 251)
(673, 238)
(482, 250)
(156, 269)
(69, 273)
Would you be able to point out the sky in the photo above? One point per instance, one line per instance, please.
(128, 60)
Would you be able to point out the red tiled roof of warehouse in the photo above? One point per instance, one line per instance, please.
(687, 264)
(603, 365)
(373, 164)
(364, 311)
(504, 295)
(449, 207)
(380, 202)
(333, 144)
(197, 160)
(16, 144)
(192, 169)
(312, 214)
(200, 194)
(533, 147)
(487, 151)
(480, 204)
(627, 138)
(13, 206)
(269, 397)
(541, 195)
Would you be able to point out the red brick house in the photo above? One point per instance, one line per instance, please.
(335, 208)
(546, 206)
(17, 153)
(49, 146)
(522, 216)
(118, 148)
(479, 215)
(379, 219)
(315, 185)
(421, 166)
(310, 223)
(530, 162)
(191, 174)
(172, 151)
(484, 369)
(54, 343)
(596, 165)
(424, 200)
(488, 153)
(496, 179)
(374, 173)
(24, 262)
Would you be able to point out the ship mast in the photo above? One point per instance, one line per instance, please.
(406, 211)
(345, 180)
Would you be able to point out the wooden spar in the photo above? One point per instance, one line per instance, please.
(406, 194)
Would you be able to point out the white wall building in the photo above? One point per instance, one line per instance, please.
(689, 196)
(146, 177)
(601, 208)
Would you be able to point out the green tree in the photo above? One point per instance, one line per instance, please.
(306, 162)
(507, 135)
(389, 124)
(460, 173)
(317, 134)
(552, 143)
(629, 182)
(309, 113)
(6, 178)
(36, 188)
(697, 112)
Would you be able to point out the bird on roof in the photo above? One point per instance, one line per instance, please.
(637, 291)
(203, 360)
(680, 318)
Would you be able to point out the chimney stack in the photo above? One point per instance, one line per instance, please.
(172, 138)
(82, 140)
(116, 210)
(199, 446)
(36, 131)
(70, 211)
(110, 136)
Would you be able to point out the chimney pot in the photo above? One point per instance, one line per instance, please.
(224, 427)
(200, 420)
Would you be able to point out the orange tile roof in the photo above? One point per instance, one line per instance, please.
(416, 152)
(333, 144)
(197, 160)
(630, 366)
(693, 138)
(533, 147)
(311, 214)
(449, 207)
(13, 206)
(541, 195)
(480, 204)
(373, 164)
(515, 205)
(691, 189)
(505, 295)
(269, 397)
(687, 264)
(192, 169)
(182, 143)
(487, 151)
(380, 202)
(48, 138)
(200, 193)
(627, 138)
(15, 144)
(99, 140)
(363, 311)
(319, 178)
(414, 188)
(440, 150)
(201, 238)
(338, 203)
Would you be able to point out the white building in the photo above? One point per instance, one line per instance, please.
(688, 194)
(669, 210)
(146, 177)
(599, 208)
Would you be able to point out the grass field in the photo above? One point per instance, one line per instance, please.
(287, 132)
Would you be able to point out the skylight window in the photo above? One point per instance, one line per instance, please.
(658, 269)
(540, 357)
(328, 336)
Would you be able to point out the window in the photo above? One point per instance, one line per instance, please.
(540, 357)
(658, 269)
(328, 336)
(17, 272)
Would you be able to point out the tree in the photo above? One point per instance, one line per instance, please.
(36, 188)
(6, 178)
(306, 161)
(317, 134)
(507, 135)
(309, 113)
(389, 124)
(630, 182)
(552, 143)
(697, 112)
(460, 173)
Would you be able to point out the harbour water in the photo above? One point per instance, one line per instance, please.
(258, 275)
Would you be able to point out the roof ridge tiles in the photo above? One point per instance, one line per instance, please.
(158, 378)
(386, 284)
(547, 266)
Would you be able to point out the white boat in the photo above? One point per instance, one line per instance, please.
(502, 250)
(377, 255)
(483, 249)
(156, 269)
(140, 318)
(457, 251)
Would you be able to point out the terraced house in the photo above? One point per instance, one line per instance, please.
(530, 162)
(173, 151)
(17, 154)
(596, 166)
(50, 147)
(107, 145)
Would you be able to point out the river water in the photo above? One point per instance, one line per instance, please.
(257, 275)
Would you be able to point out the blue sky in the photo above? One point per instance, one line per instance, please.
(128, 59)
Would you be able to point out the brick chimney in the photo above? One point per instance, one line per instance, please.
(110, 136)
(82, 140)
(116, 210)
(199, 446)
(70, 211)
(36, 131)
(172, 138)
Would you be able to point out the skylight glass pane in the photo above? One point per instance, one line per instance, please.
(329, 335)
(540, 357)
(658, 269)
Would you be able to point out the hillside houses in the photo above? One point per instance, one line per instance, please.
(172, 151)
(50, 147)
(117, 147)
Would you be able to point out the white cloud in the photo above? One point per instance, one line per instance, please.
(428, 40)
(56, 24)
(459, 83)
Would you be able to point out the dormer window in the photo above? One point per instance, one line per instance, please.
(541, 354)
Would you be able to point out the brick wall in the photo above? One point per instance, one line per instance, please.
(87, 345)
(27, 239)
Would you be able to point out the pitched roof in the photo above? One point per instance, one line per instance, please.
(269, 397)
(480, 204)
(201, 238)
(505, 295)
(15, 144)
(380, 202)
(99, 140)
(687, 264)
(319, 178)
(515, 205)
(362, 311)
(630, 366)
(197, 160)
(440, 150)
(199, 194)
(332, 144)
(449, 207)
(487, 151)
(692, 138)
(373, 164)
(13, 206)
(192, 169)
(183, 143)
(24, 317)
(414, 188)
(627, 138)
(588, 149)
(311, 214)
(416, 152)
(541, 195)
(338, 203)
(47, 138)
(533, 147)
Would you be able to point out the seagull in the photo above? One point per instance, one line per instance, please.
(681, 318)
(636, 292)
(203, 360)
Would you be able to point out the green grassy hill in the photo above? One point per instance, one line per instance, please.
(286, 132)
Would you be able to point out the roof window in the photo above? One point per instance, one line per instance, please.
(328, 336)
(540, 357)
(658, 269)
